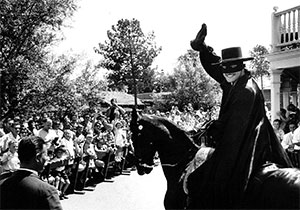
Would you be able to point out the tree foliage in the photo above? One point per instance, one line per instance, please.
(259, 64)
(129, 53)
(27, 28)
(164, 82)
(88, 87)
(193, 85)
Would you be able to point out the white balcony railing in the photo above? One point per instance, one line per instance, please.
(286, 29)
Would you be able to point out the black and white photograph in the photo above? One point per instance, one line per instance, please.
(149, 105)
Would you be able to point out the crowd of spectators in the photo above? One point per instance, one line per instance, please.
(287, 128)
(81, 147)
(188, 119)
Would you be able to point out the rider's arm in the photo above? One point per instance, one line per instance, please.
(207, 58)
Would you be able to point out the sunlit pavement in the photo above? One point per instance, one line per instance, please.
(126, 192)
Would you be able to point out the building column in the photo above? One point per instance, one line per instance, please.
(286, 99)
(275, 92)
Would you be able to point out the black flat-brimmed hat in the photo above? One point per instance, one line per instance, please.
(232, 54)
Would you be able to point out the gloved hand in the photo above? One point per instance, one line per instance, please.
(198, 43)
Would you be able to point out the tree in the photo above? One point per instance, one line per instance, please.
(193, 85)
(88, 87)
(260, 64)
(50, 87)
(129, 53)
(27, 28)
(164, 82)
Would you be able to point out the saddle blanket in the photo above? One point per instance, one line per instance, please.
(200, 157)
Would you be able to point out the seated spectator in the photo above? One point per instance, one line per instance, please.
(10, 160)
(62, 181)
(287, 142)
(24, 189)
(278, 131)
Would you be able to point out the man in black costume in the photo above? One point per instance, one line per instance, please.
(244, 138)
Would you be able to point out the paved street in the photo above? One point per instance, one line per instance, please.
(127, 192)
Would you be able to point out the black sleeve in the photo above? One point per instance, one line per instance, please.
(207, 58)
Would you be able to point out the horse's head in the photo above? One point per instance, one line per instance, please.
(143, 143)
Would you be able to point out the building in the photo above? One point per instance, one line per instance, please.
(285, 59)
(125, 100)
(149, 98)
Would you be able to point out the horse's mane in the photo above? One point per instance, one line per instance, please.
(168, 127)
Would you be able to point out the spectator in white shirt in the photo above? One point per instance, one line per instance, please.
(46, 132)
(69, 144)
(287, 142)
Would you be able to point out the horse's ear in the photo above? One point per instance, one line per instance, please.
(134, 119)
(134, 116)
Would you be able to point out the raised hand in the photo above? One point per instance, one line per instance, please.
(198, 43)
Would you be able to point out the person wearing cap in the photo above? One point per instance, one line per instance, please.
(243, 136)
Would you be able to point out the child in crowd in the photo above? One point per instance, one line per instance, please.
(62, 181)
(120, 140)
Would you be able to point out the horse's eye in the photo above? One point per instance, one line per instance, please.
(140, 127)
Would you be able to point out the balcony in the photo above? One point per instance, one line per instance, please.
(285, 59)
(286, 37)
(286, 29)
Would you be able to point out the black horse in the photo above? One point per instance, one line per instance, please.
(271, 187)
